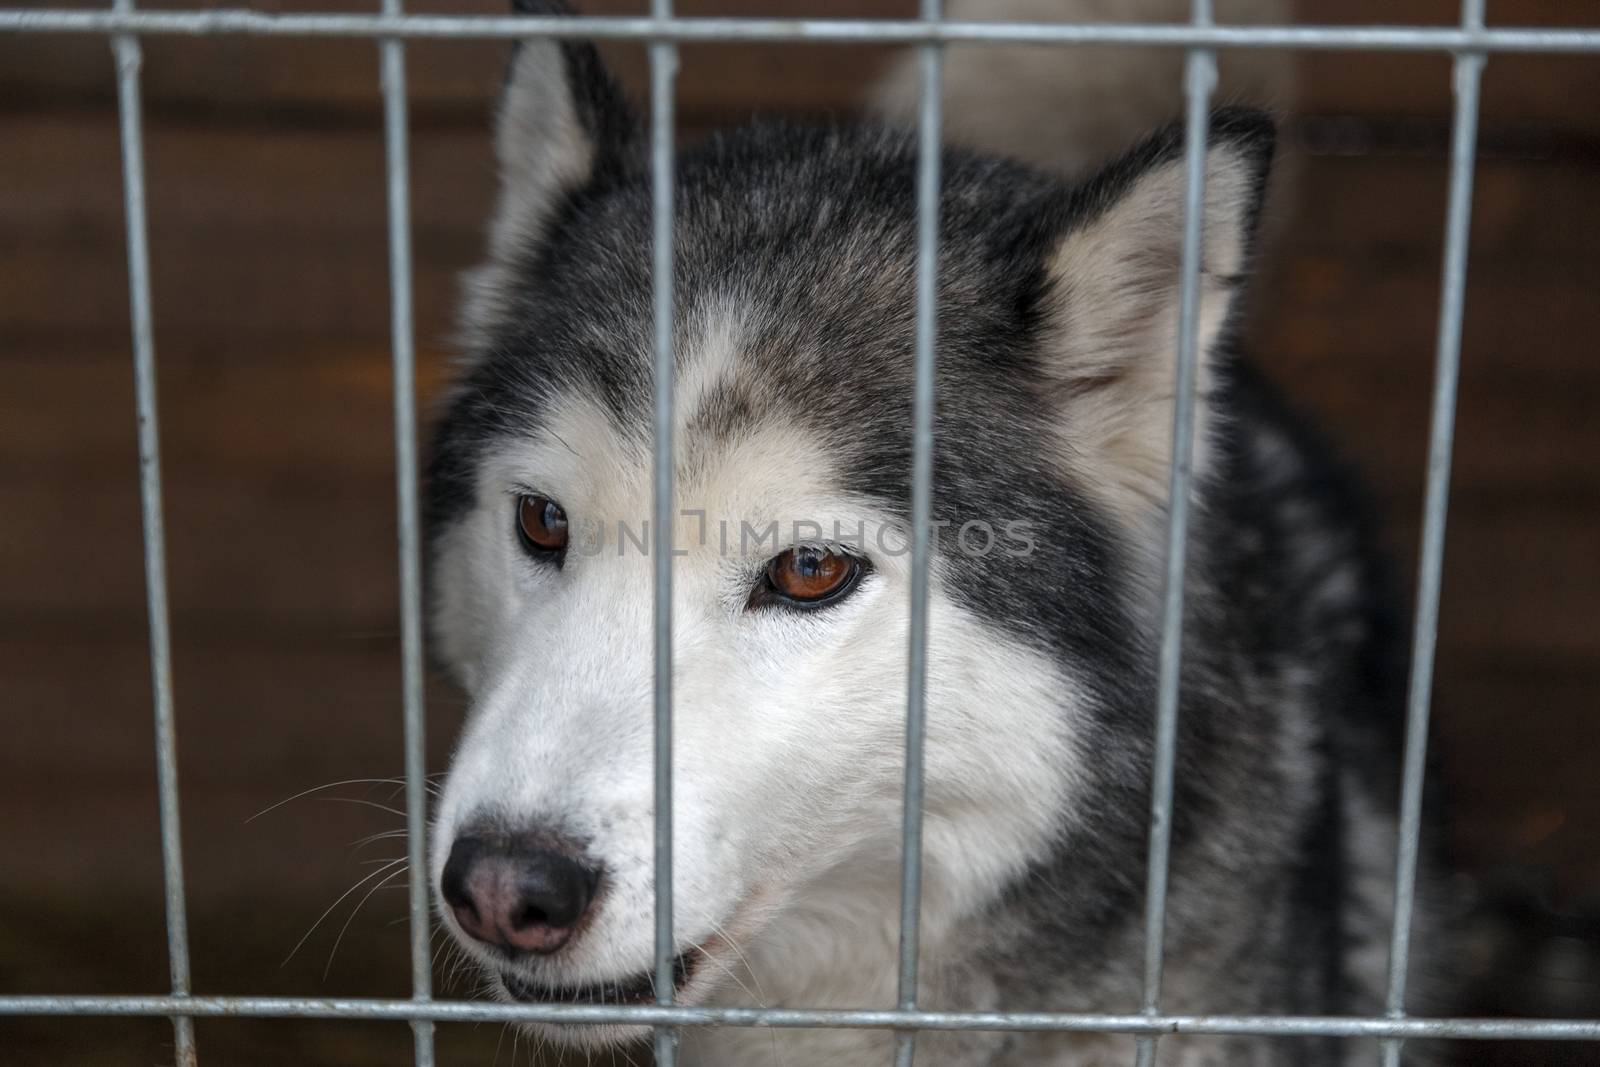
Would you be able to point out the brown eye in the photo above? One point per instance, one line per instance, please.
(542, 524)
(808, 577)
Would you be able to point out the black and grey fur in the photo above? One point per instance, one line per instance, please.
(1057, 303)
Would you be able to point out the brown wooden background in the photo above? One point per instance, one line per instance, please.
(271, 312)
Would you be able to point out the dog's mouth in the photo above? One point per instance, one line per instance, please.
(633, 989)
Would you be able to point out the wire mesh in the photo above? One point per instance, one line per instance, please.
(1471, 41)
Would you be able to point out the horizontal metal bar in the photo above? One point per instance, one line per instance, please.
(454, 1011)
(808, 31)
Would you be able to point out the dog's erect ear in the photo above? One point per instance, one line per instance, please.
(562, 123)
(1112, 304)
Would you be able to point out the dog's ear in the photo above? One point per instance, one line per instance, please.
(562, 123)
(1112, 302)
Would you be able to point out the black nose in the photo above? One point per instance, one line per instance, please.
(516, 896)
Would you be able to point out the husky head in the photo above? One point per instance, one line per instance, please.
(794, 270)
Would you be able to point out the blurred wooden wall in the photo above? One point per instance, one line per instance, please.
(271, 292)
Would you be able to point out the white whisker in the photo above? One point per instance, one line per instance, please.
(367, 804)
(334, 905)
(328, 967)
(320, 788)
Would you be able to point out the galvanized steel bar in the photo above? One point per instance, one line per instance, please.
(1199, 82)
(459, 1011)
(663, 75)
(807, 31)
(1468, 72)
(403, 341)
(1200, 79)
(129, 57)
(922, 427)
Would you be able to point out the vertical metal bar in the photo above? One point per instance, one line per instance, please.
(1467, 71)
(129, 56)
(922, 419)
(392, 73)
(1200, 80)
(663, 75)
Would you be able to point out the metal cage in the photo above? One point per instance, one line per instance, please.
(1470, 42)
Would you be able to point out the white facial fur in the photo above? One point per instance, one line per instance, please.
(788, 725)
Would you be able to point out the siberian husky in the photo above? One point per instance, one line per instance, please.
(1057, 306)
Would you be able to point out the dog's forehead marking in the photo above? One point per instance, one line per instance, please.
(709, 365)
(765, 469)
(607, 448)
